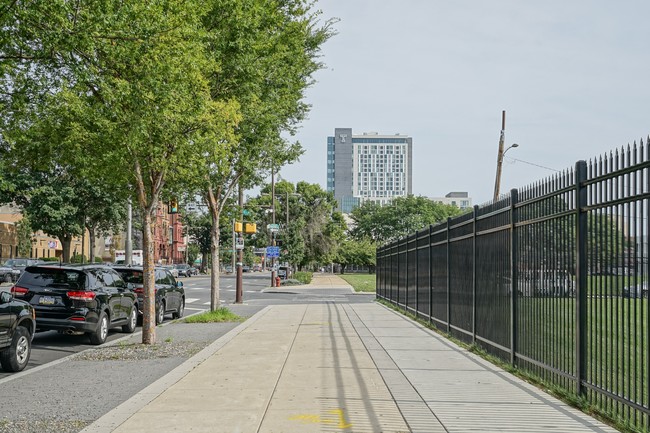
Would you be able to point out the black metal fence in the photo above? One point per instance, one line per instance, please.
(552, 278)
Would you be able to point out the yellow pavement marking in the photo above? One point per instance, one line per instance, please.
(341, 422)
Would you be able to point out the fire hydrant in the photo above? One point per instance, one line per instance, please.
(277, 282)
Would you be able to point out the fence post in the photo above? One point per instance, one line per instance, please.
(514, 198)
(474, 276)
(581, 273)
(417, 275)
(448, 278)
(430, 276)
(406, 275)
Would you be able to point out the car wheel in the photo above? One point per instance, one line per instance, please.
(100, 334)
(15, 357)
(129, 328)
(179, 311)
(160, 313)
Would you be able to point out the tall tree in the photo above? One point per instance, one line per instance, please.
(404, 215)
(129, 81)
(266, 53)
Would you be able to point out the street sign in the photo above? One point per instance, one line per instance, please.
(259, 251)
(239, 244)
(273, 227)
(272, 251)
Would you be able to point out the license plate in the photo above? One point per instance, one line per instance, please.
(47, 300)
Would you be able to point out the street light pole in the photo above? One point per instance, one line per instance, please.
(500, 154)
(273, 270)
(497, 182)
(499, 163)
(240, 253)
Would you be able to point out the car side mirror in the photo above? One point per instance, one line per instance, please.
(5, 297)
(179, 284)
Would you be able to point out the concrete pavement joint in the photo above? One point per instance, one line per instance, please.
(401, 403)
(284, 364)
(114, 418)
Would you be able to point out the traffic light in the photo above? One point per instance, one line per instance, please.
(237, 227)
(173, 206)
(250, 228)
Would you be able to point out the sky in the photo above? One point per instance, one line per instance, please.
(573, 77)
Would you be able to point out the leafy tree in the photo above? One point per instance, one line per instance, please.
(315, 228)
(404, 215)
(127, 82)
(24, 233)
(356, 252)
(266, 53)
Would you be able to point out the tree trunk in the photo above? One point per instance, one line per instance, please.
(66, 243)
(91, 244)
(214, 251)
(149, 304)
(148, 205)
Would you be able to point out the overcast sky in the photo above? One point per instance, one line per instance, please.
(572, 75)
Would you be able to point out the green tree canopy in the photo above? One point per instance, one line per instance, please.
(404, 215)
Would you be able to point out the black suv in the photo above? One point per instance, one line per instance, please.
(170, 295)
(74, 299)
(16, 332)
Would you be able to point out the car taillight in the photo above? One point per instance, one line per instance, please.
(81, 295)
(139, 290)
(19, 292)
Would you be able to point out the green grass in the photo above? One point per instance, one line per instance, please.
(220, 315)
(361, 282)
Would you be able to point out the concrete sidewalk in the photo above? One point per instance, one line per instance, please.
(339, 367)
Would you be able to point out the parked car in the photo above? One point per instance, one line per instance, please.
(17, 328)
(245, 268)
(184, 270)
(76, 299)
(170, 294)
(257, 268)
(193, 270)
(8, 274)
(172, 270)
(19, 264)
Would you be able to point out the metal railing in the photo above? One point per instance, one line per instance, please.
(552, 278)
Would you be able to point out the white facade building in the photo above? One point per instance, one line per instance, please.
(368, 167)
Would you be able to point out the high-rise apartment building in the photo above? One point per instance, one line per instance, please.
(368, 167)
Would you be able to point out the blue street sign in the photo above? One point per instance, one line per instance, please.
(272, 251)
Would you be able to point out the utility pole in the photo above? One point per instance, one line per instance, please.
(240, 253)
(128, 245)
(497, 182)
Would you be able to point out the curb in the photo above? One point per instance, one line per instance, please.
(117, 416)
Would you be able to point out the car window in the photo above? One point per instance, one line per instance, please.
(167, 278)
(131, 276)
(160, 276)
(50, 277)
(112, 279)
